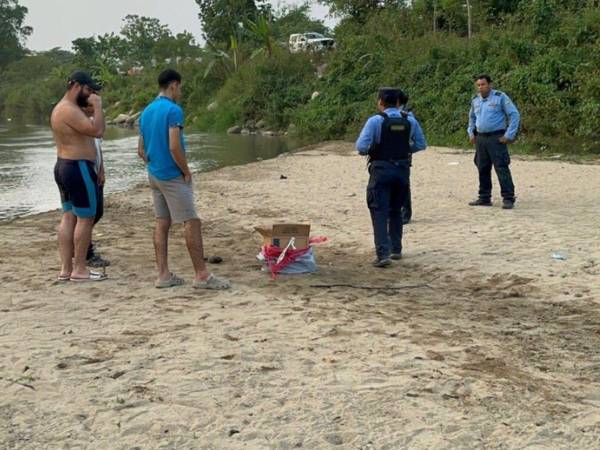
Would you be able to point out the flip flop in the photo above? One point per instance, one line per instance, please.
(63, 278)
(93, 276)
(212, 282)
(173, 281)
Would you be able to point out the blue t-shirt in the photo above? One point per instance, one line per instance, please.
(160, 115)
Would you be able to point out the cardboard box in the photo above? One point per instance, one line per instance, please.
(280, 234)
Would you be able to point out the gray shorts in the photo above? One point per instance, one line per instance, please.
(173, 199)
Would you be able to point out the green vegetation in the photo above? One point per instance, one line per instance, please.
(544, 53)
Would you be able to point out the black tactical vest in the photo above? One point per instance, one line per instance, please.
(395, 139)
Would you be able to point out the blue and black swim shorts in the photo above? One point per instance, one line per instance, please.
(78, 185)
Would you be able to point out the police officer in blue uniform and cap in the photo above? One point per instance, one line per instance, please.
(389, 139)
(493, 123)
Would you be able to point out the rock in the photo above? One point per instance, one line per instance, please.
(212, 106)
(334, 439)
(234, 130)
(215, 260)
(120, 119)
(315, 95)
(321, 70)
(131, 119)
(261, 124)
(245, 131)
(250, 124)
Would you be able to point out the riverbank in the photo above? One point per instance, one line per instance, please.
(478, 338)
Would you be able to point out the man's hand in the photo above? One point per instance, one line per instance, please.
(472, 139)
(504, 140)
(187, 177)
(95, 100)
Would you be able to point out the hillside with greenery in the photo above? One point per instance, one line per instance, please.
(544, 53)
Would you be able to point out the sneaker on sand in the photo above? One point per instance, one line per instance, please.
(97, 261)
(382, 262)
(508, 204)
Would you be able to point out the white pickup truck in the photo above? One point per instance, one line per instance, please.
(316, 42)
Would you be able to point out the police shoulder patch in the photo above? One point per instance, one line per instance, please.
(499, 93)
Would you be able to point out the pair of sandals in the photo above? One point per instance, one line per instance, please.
(93, 276)
(212, 282)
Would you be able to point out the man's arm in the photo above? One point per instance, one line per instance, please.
(76, 119)
(471, 127)
(417, 137)
(101, 173)
(367, 136)
(177, 152)
(514, 118)
(140, 150)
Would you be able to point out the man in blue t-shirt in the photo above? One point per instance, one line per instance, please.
(162, 147)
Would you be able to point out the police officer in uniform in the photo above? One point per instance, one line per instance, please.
(389, 138)
(493, 123)
(407, 205)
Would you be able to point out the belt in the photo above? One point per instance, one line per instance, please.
(393, 161)
(491, 133)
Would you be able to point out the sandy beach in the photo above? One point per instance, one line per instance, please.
(478, 338)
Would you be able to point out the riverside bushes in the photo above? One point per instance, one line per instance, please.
(545, 54)
(554, 79)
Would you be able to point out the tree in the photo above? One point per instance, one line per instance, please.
(221, 19)
(359, 10)
(105, 51)
(263, 31)
(141, 35)
(12, 31)
(295, 19)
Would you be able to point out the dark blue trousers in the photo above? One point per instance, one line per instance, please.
(386, 193)
(489, 152)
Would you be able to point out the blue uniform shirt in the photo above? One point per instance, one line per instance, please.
(491, 113)
(160, 115)
(371, 132)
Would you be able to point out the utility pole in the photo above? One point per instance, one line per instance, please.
(469, 29)
(434, 16)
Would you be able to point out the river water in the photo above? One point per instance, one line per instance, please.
(28, 155)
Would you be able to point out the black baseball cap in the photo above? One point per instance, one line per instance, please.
(85, 79)
(388, 95)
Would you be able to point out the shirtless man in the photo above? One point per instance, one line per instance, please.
(74, 173)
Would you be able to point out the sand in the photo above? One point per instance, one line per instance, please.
(478, 338)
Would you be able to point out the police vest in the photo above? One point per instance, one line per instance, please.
(395, 139)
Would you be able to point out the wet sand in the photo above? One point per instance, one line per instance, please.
(477, 338)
